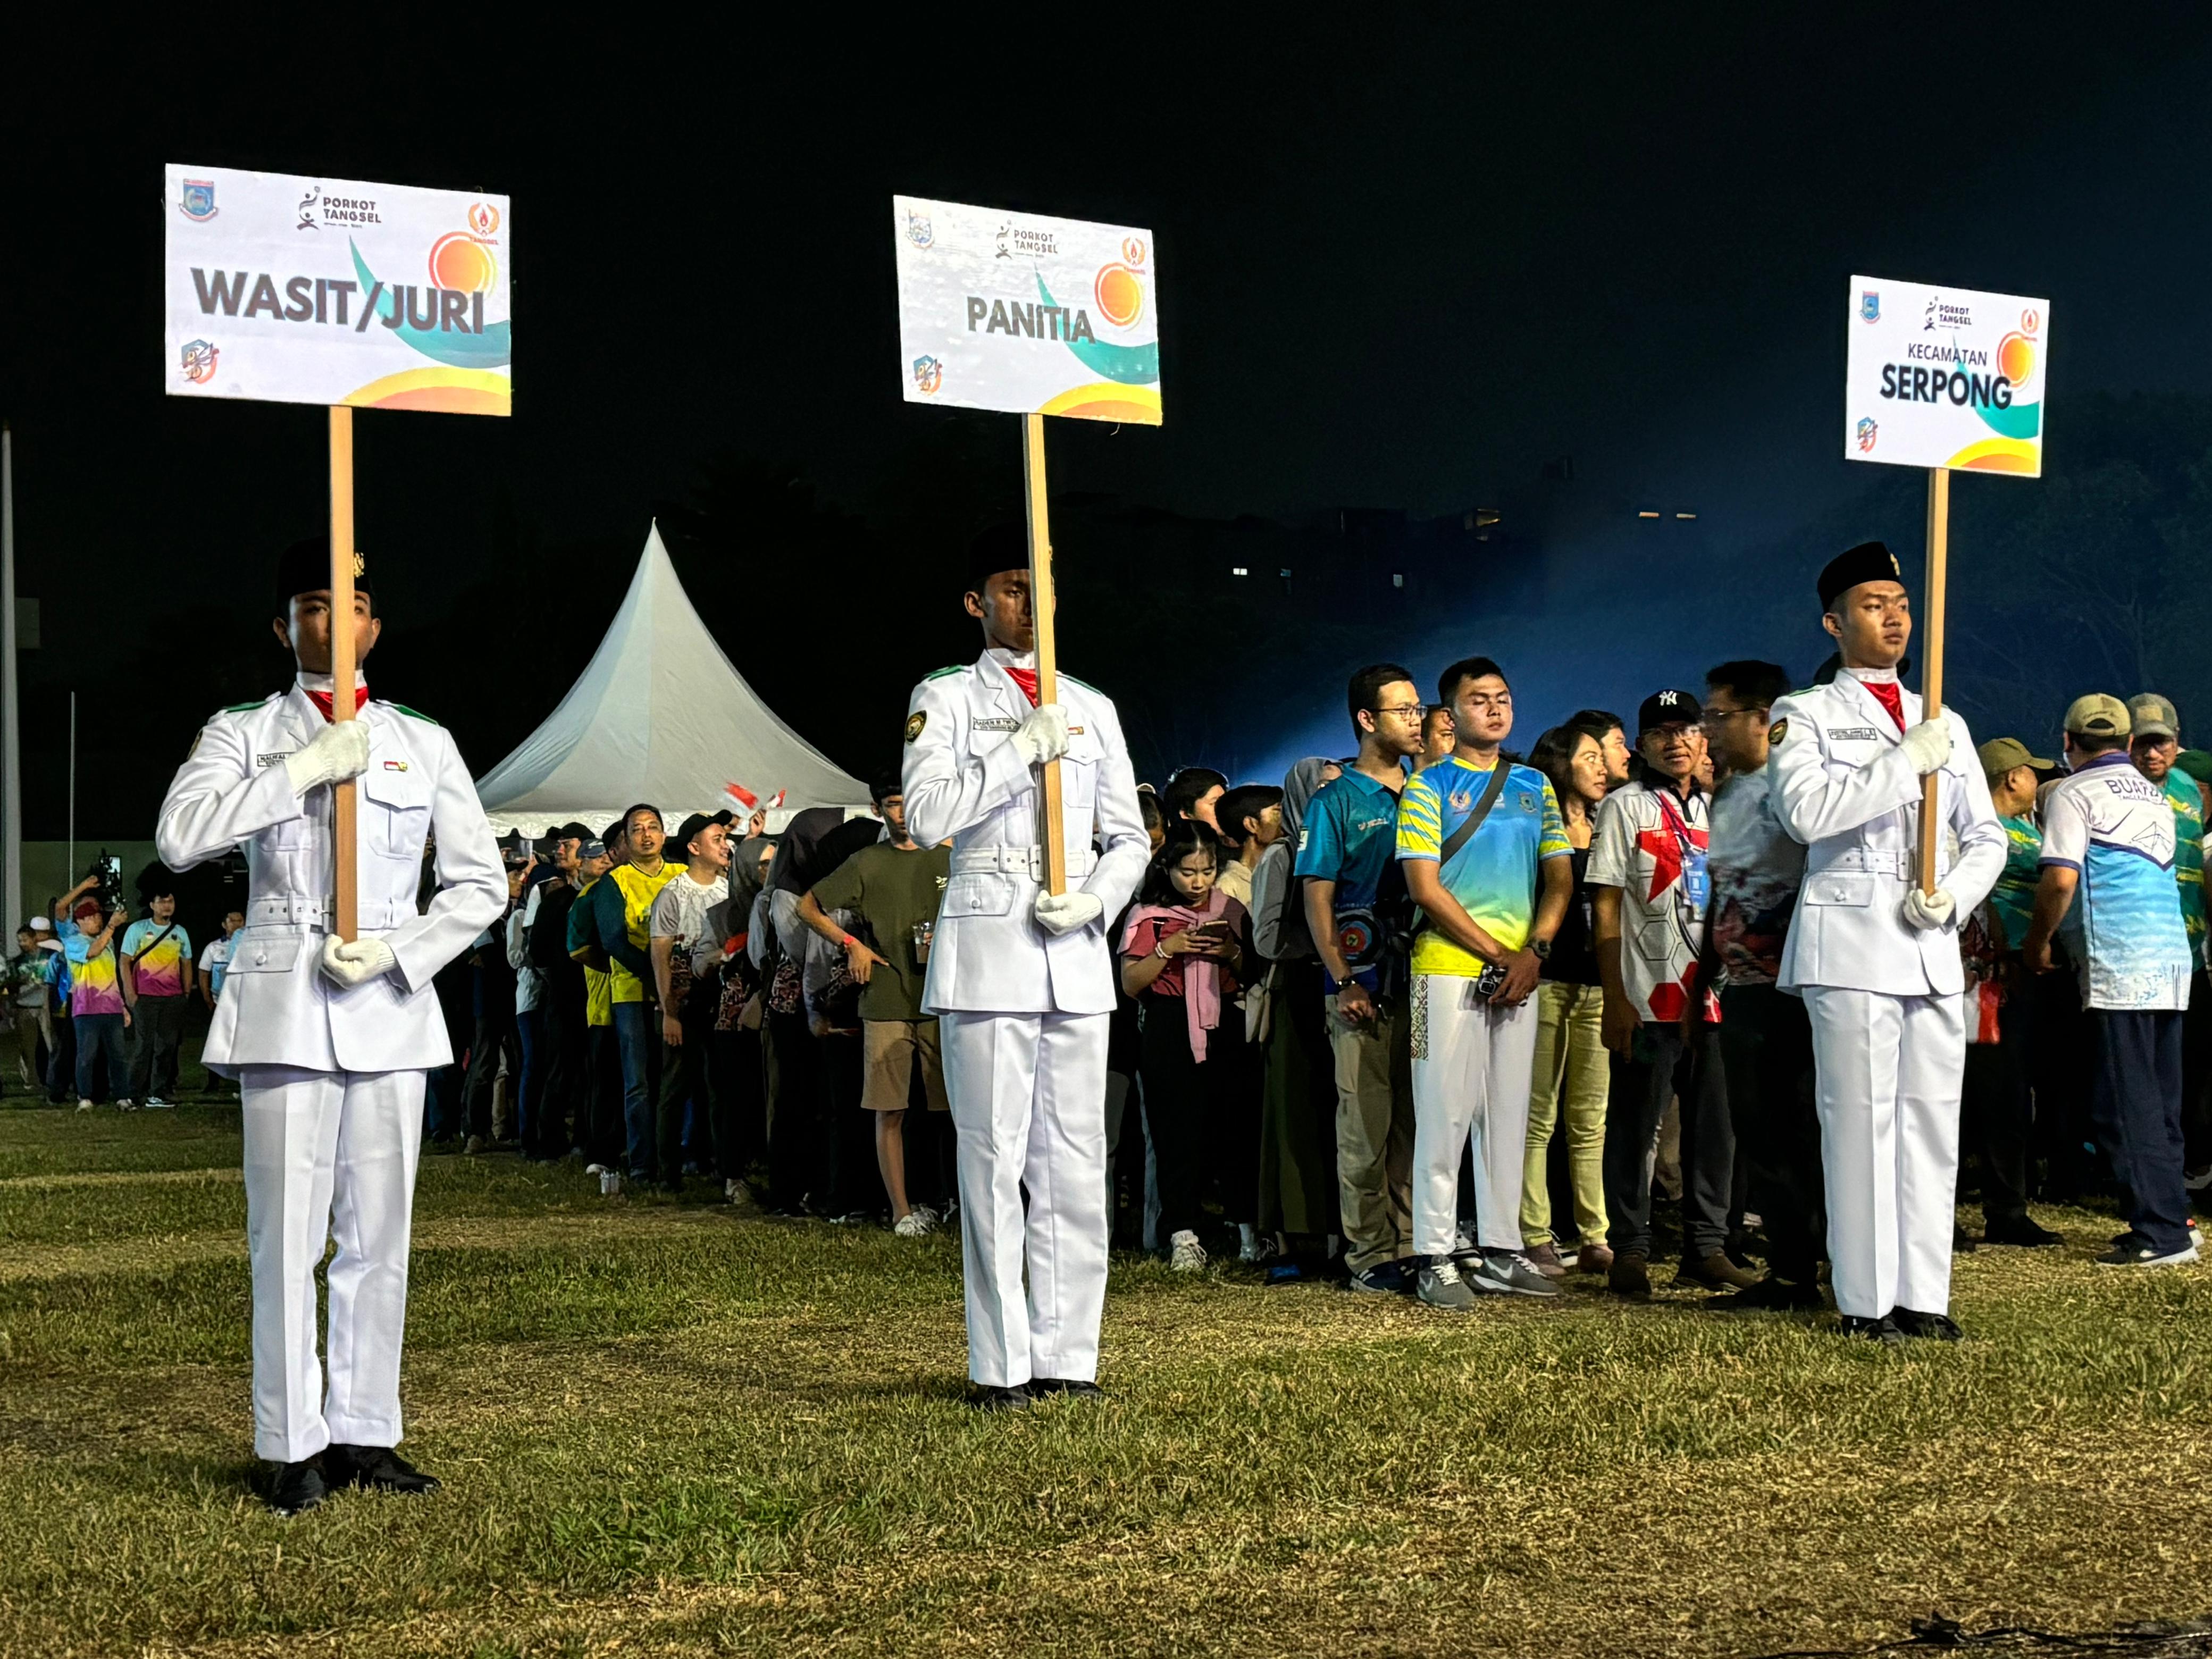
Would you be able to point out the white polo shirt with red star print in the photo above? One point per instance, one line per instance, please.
(1651, 845)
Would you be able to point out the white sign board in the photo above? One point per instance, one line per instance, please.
(1035, 316)
(309, 291)
(1945, 377)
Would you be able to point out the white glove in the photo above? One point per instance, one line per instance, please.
(1063, 913)
(349, 965)
(340, 751)
(1928, 745)
(1043, 736)
(1927, 910)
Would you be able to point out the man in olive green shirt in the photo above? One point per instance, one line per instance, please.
(891, 890)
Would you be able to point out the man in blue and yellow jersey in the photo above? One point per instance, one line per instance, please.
(1478, 836)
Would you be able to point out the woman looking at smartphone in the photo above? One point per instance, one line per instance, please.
(1180, 959)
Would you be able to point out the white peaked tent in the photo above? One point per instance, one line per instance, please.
(661, 715)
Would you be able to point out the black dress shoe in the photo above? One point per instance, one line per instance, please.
(2019, 1229)
(1771, 1296)
(1000, 1399)
(377, 1467)
(1043, 1387)
(298, 1487)
(1938, 1328)
(1882, 1330)
(1962, 1242)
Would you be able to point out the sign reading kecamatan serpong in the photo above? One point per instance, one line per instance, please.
(1034, 316)
(1945, 376)
(313, 290)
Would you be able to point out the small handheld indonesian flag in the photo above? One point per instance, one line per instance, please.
(751, 803)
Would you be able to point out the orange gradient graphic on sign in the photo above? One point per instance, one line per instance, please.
(2016, 358)
(1121, 296)
(459, 262)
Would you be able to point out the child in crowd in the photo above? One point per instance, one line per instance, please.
(1181, 956)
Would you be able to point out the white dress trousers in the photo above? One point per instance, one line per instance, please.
(1473, 1060)
(1029, 1109)
(1889, 1070)
(328, 1154)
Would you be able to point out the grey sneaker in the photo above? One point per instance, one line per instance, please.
(1512, 1273)
(1441, 1286)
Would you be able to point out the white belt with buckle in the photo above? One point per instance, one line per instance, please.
(1019, 861)
(299, 909)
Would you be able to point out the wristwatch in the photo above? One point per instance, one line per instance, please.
(1542, 948)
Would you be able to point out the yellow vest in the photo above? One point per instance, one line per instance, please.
(638, 890)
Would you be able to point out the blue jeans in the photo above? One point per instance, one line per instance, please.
(100, 1035)
(637, 1031)
(529, 1024)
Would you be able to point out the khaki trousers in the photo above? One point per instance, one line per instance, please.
(1572, 1079)
(1374, 1135)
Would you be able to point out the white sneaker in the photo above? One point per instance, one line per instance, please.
(915, 1223)
(84, 1105)
(155, 1104)
(1185, 1253)
(928, 1213)
(126, 1105)
(596, 1169)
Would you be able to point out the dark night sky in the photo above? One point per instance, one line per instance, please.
(1401, 264)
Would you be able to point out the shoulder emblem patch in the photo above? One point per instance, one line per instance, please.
(916, 720)
(1778, 732)
(957, 668)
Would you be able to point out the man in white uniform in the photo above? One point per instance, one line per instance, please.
(331, 1040)
(1875, 959)
(1022, 981)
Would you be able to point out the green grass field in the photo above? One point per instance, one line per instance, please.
(667, 1430)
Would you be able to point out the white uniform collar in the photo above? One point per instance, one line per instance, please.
(327, 683)
(1006, 659)
(1872, 676)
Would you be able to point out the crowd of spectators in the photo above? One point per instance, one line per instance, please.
(1432, 1018)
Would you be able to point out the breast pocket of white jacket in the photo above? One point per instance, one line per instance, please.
(1079, 774)
(396, 818)
(978, 894)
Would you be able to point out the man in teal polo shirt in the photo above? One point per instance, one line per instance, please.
(1355, 907)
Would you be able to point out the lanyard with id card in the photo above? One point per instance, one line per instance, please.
(1696, 883)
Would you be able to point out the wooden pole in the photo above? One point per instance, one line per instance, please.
(1040, 605)
(1932, 650)
(343, 861)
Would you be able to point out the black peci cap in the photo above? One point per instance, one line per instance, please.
(305, 568)
(1869, 561)
(1667, 708)
(1002, 547)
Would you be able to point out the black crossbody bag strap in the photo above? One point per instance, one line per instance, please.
(1465, 833)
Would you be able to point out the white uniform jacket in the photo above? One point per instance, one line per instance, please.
(277, 1007)
(1843, 785)
(964, 779)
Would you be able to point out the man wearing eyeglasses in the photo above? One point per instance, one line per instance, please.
(1766, 1047)
(1356, 910)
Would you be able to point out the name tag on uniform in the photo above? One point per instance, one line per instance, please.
(1855, 734)
(272, 760)
(996, 723)
(395, 766)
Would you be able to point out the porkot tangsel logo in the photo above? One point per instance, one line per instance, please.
(307, 209)
(1944, 314)
(1020, 241)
